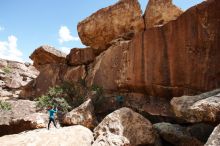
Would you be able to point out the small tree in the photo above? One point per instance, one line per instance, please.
(54, 97)
(64, 96)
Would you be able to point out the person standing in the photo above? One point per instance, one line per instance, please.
(51, 112)
(120, 101)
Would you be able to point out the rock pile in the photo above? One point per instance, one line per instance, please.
(14, 76)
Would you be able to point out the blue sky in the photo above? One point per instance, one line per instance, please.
(28, 24)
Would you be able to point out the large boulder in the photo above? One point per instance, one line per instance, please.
(80, 56)
(126, 124)
(161, 65)
(36, 120)
(176, 135)
(200, 131)
(199, 108)
(67, 136)
(82, 115)
(108, 23)
(111, 140)
(50, 76)
(160, 12)
(21, 115)
(214, 137)
(49, 54)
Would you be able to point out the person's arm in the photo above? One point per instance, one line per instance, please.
(55, 110)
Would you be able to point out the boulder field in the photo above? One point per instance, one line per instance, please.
(155, 80)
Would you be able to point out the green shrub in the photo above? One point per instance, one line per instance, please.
(7, 70)
(69, 95)
(5, 106)
(74, 93)
(55, 91)
(98, 89)
(64, 96)
(100, 98)
(54, 97)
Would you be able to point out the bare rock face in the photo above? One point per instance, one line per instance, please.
(83, 115)
(108, 23)
(166, 61)
(110, 67)
(49, 54)
(200, 108)
(51, 75)
(37, 120)
(48, 77)
(159, 12)
(176, 135)
(53, 71)
(67, 136)
(13, 76)
(73, 74)
(80, 56)
(214, 137)
(22, 116)
(126, 124)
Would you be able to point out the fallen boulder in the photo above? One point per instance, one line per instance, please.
(21, 115)
(111, 140)
(200, 108)
(200, 131)
(214, 137)
(126, 124)
(176, 135)
(83, 115)
(49, 54)
(67, 136)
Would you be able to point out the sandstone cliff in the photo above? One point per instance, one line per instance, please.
(179, 58)
(129, 64)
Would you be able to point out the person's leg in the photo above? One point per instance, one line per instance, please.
(49, 123)
(54, 123)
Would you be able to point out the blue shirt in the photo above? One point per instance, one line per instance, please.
(51, 113)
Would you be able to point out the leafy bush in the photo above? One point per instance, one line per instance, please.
(69, 95)
(5, 106)
(7, 70)
(64, 96)
(54, 97)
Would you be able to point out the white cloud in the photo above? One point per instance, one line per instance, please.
(65, 35)
(9, 50)
(2, 28)
(65, 50)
